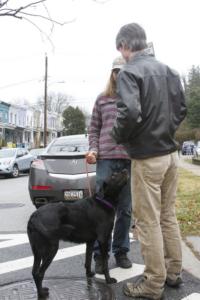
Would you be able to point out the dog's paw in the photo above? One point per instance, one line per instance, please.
(43, 294)
(90, 274)
(111, 280)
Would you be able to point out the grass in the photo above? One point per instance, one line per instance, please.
(188, 203)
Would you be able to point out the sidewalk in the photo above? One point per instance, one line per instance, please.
(191, 244)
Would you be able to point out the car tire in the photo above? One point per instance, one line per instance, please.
(15, 172)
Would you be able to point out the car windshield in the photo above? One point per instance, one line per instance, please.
(69, 146)
(36, 151)
(4, 153)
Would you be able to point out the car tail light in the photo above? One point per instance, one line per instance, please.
(38, 164)
(41, 187)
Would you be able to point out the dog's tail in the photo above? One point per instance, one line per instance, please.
(35, 224)
(63, 232)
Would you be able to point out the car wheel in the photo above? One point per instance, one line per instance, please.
(15, 171)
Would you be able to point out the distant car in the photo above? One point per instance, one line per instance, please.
(188, 148)
(36, 152)
(15, 160)
(61, 173)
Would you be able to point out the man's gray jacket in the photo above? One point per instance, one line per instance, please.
(150, 108)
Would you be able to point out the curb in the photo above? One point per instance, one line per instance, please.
(190, 262)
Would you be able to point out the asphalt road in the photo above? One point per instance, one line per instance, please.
(66, 273)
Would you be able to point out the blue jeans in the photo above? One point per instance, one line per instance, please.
(121, 242)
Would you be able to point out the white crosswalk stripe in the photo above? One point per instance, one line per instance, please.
(10, 240)
(124, 274)
(194, 296)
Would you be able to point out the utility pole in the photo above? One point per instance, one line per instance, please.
(45, 100)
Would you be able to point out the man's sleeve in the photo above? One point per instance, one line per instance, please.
(183, 111)
(180, 109)
(128, 108)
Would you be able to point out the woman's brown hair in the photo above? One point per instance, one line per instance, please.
(110, 90)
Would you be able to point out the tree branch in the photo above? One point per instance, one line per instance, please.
(13, 12)
(3, 3)
(41, 31)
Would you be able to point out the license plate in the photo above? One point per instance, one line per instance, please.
(73, 195)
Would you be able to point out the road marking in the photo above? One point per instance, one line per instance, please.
(194, 296)
(11, 240)
(123, 274)
(27, 262)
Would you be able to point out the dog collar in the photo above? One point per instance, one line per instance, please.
(108, 204)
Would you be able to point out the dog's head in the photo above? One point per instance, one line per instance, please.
(113, 185)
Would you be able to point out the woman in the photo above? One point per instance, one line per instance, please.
(110, 157)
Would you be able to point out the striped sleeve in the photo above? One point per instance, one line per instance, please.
(95, 127)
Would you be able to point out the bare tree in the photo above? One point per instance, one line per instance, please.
(26, 11)
(23, 12)
(29, 13)
(57, 102)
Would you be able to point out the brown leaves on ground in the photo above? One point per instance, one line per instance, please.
(188, 203)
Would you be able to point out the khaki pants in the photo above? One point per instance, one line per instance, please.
(154, 185)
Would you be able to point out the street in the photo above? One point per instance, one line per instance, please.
(66, 275)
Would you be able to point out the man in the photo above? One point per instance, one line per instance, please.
(150, 108)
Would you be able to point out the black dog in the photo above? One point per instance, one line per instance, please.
(82, 221)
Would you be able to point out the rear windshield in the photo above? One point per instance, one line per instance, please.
(69, 146)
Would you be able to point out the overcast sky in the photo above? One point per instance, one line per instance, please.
(84, 48)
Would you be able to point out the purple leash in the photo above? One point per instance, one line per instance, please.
(105, 202)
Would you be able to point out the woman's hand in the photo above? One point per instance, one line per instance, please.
(91, 157)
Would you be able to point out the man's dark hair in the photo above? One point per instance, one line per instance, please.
(131, 36)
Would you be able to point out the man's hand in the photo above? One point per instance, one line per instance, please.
(91, 157)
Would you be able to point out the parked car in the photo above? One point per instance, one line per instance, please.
(14, 160)
(61, 173)
(197, 149)
(36, 152)
(188, 148)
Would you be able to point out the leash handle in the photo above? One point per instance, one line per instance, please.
(88, 179)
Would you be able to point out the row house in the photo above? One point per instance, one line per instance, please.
(4, 116)
(54, 126)
(23, 125)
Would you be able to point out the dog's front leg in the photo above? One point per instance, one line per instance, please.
(88, 259)
(104, 254)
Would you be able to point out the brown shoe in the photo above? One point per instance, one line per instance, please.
(138, 290)
(174, 283)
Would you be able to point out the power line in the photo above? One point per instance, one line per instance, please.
(18, 83)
